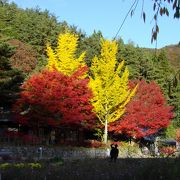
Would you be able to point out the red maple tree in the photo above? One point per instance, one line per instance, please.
(146, 113)
(51, 98)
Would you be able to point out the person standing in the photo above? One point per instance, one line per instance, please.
(114, 152)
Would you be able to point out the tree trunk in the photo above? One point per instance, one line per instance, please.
(106, 131)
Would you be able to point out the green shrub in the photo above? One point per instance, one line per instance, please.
(129, 150)
(20, 165)
(5, 165)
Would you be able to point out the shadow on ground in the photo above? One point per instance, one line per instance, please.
(95, 169)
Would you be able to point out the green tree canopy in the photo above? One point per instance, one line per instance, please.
(10, 79)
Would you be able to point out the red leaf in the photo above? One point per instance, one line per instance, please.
(144, 16)
(55, 99)
(146, 113)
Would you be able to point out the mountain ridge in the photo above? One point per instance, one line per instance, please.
(172, 52)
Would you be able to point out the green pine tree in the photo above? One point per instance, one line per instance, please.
(10, 79)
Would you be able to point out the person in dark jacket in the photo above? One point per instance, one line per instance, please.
(114, 152)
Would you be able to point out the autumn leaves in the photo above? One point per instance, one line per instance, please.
(68, 92)
(108, 81)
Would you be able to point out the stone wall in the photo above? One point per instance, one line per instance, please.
(23, 153)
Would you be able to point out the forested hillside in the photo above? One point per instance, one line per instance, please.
(173, 54)
(24, 35)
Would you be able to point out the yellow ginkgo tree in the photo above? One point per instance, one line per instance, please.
(109, 83)
(63, 57)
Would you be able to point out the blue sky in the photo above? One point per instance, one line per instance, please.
(107, 16)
